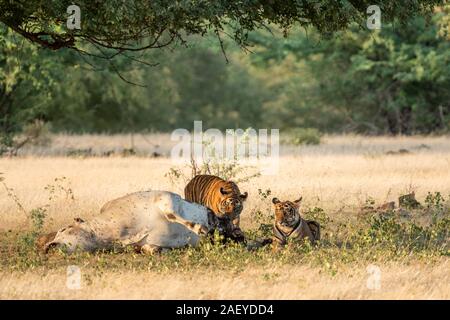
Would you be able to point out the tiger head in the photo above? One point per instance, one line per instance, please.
(230, 202)
(286, 213)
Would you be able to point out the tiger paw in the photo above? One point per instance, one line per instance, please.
(237, 235)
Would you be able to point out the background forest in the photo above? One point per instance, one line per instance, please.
(395, 80)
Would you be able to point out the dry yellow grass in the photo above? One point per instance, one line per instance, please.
(398, 281)
(338, 176)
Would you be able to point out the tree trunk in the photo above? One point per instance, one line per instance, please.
(405, 117)
(391, 121)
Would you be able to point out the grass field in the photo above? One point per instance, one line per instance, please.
(50, 185)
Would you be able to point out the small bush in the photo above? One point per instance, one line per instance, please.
(36, 217)
(301, 136)
(212, 164)
(317, 214)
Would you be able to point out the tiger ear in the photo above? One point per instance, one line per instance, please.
(243, 196)
(222, 191)
(297, 202)
(275, 201)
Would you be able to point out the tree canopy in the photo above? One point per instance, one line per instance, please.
(134, 25)
(27, 78)
(394, 80)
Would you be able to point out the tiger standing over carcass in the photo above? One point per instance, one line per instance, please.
(290, 225)
(222, 197)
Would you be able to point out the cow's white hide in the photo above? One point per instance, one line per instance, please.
(154, 218)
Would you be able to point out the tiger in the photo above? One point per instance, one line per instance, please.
(290, 225)
(222, 197)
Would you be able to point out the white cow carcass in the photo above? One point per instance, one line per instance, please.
(149, 221)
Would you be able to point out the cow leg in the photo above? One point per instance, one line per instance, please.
(197, 228)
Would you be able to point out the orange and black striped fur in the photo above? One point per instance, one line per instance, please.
(290, 225)
(223, 197)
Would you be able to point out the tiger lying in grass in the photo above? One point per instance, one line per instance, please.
(290, 225)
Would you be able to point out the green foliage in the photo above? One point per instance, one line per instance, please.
(187, 85)
(26, 241)
(435, 201)
(435, 204)
(27, 77)
(398, 237)
(263, 218)
(27, 253)
(319, 215)
(393, 80)
(142, 24)
(37, 217)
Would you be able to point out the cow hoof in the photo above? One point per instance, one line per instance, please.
(203, 231)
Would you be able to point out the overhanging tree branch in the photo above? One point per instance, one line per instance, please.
(122, 25)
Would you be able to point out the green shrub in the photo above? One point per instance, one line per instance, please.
(301, 136)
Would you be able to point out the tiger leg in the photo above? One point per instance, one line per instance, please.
(314, 227)
(236, 222)
(277, 245)
(236, 233)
